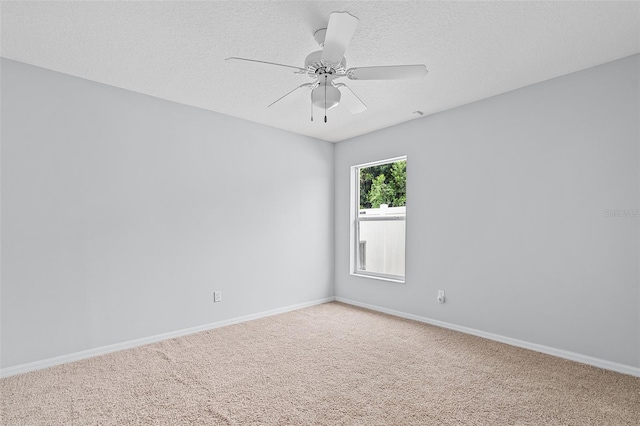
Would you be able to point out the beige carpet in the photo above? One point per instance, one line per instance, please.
(331, 364)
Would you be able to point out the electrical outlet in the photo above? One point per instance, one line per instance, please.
(217, 296)
(440, 296)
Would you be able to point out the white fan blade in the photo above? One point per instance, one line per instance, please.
(350, 100)
(392, 72)
(309, 85)
(341, 27)
(298, 69)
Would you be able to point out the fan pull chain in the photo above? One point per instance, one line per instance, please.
(312, 105)
(325, 98)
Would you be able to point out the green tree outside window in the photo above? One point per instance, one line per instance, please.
(383, 184)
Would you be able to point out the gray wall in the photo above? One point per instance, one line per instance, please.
(122, 213)
(506, 213)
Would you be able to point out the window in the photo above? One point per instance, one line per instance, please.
(379, 197)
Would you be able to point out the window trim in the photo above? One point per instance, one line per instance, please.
(355, 219)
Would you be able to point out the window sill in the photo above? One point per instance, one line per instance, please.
(375, 277)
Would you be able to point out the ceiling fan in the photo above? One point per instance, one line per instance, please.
(328, 65)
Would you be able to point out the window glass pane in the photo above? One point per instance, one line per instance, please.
(384, 184)
(379, 231)
(381, 246)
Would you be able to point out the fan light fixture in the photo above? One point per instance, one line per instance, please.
(325, 95)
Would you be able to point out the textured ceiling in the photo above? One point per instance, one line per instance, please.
(176, 51)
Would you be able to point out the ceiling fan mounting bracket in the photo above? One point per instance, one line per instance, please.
(319, 36)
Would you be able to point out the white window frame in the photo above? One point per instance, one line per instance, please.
(355, 221)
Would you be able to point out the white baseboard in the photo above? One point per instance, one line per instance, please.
(572, 356)
(77, 356)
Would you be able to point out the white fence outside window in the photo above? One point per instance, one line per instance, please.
(381, 241)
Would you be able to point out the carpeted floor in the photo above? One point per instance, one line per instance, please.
(330, 364)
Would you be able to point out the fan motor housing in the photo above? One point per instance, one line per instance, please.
(316, 66)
